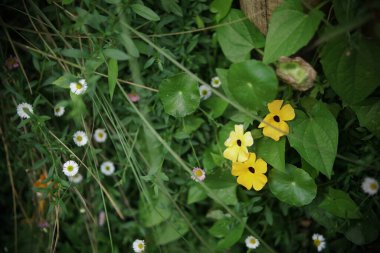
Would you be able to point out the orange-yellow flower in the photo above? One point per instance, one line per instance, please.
(39, 183)
(237, 144)
(276, 125)
(251, 173)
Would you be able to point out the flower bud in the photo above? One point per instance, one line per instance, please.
(296, 72)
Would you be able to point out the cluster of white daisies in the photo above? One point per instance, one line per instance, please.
(205, 91)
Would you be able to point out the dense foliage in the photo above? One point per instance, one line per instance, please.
(282, 145)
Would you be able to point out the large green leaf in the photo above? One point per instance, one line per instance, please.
(113, 72)
(315, 137)
(238, 37)
(116, 54)
(289, 30)
(273, 152)
(364, 231)
(171, 230)
(230, 230)
(227, 195)
(220, 8)
(351, 69)
(252, 84)
(155, 212)
(293, 186)
(368, 113)
(340, 204)
(145, 12)
(180, 95)
(195, 194)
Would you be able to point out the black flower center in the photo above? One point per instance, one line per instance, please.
(251, 169)
(238, 142)
(276, 118)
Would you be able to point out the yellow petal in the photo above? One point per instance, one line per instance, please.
(239, 130)
(243, 155)
(268, 119)
(260, 166)
(259, 181)
(251, 160)
(231, 153)
(275, 106)
(248, 140)
(275, 134)
(231, 140)
(238, 169)
(246, 180)
(287, 113)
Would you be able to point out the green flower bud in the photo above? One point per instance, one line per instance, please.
(296, 72)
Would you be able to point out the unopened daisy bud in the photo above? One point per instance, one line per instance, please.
(100, 135)
(107, 168)
(76, 179)
(79, 87)
(134, 97)
(80, 138)
(138, 245)
(296, 72)
(205, 91)
(198, 175)
(370, 186)
(23, 109)
(70, 168)
(252, 242)
(59, 110)
(319, 241)
(215, 82)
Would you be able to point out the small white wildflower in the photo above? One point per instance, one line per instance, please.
(79, 87)
(107, 168)
(198, 175)
(251, 242)
(205, 91)
(76, 179)
(22, 110)
(319, 241)
(80, 138)
(59, 110)
(100, 135)
(370, 186)
(215, 82)
(138, 245)
(70, 168)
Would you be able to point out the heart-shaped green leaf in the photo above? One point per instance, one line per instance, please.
(340, 204)
(273, 152)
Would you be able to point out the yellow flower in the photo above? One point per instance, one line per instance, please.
(237, 144)
(251, 173)
(276, 125)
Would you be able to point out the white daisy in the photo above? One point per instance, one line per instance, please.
(22, 110)
(251, 242)
(198, 175)
(215, 82)
(138, 245)
(78, 87)
(59, 110)
(319, 241)
(100, 135)
(205, 91)
(370, 186)
(76, 179)
(80, 138)
(107, 168)
(70, 168)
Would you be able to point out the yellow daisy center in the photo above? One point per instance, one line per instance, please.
(198, 173)
(373, 186)
(252, 170)
(25, 109)
(79, 138)
(79, 86)
(100, 135)
(70, 168)
(204, 92)
(140, 246)
(57, 109)
(216, 81)
(317, 242)
(276, 118)
(253, 241)
(107, 167)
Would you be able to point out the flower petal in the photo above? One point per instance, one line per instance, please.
(259, 181)
(275, 106)
(238, 169)
(268, 119)
(287, 112)
(260, 166)
(243, 155)
(275, 134)
(248, 140)
(239, 130)
(246, 180)
(231, 140)
(231, 153)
